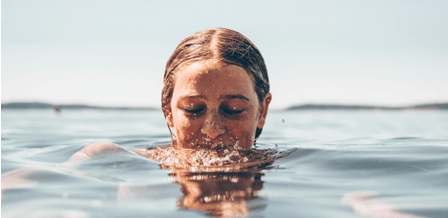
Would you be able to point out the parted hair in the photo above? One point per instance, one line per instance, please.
(218, 44)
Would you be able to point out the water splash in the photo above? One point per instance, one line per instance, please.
(215, 160)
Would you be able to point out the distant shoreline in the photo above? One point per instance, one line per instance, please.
(438, 106)
(46, 106)
(314, 107)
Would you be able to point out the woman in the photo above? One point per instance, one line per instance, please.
(215, 94)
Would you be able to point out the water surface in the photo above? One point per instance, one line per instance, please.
(343, 161)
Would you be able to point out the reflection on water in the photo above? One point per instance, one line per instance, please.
(220, 194)
(217, 182)
(212, 187)
(223, 182)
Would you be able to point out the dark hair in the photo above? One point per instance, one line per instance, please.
(220, 44)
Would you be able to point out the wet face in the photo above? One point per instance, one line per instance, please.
(214, 105)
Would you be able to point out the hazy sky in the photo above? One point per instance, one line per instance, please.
(113, 53)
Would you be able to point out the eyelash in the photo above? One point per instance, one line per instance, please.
(232, 112)
(226, 110)
(195, 111)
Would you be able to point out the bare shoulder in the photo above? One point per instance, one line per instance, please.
(97, 149)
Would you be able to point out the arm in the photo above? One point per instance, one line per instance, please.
(95, 150)
(26, 177)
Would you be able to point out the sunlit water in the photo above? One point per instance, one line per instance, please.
(317, 164)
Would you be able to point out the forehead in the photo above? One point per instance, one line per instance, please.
(213, 77)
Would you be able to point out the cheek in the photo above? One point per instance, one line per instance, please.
(186, 128)
(243, 129)
(243, 132)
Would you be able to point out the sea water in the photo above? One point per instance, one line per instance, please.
(338, 164)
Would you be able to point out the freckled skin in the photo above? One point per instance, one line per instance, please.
(214, 105)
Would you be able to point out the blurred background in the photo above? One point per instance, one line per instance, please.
(113, 53)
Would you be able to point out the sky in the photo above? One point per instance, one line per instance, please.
(113, 53)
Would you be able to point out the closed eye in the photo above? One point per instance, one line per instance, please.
(232, 111)
(195, 111)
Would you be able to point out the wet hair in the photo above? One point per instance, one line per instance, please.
(220, 44)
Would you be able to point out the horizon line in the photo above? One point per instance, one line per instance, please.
(303, 106)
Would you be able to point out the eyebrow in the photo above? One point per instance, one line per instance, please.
(234, 96)
(191, 97)
(221, 97)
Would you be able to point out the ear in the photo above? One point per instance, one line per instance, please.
(264, 110)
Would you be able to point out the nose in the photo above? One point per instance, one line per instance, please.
(214, 125)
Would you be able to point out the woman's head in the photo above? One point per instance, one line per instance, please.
(216, 90)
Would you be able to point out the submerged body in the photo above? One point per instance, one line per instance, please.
(218, 182)
(193, 160)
